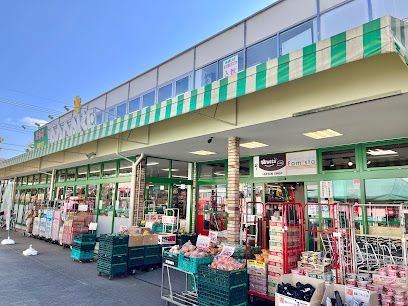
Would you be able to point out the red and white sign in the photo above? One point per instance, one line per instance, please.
(230, 66)
(213, 235)
(203, 241)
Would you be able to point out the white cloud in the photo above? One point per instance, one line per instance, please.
(32, 121)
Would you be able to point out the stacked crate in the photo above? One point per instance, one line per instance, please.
(258, 276)
(75, 224)
(56, 224)
(284, 252)
(113, 255)
(135, 258)
(49, 216)
(36, 226)
(83, 247)
(222, 288)
(43, 222)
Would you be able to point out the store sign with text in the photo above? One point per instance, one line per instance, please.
(40, 138)
(230, 66)
(285, 164)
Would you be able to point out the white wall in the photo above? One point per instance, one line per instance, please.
(143, 83)
(177, 67)
(221, 45)
(279, 17)
(117, 95)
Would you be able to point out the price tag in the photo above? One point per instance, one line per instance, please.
(213, 236)
(93, 226)
(203, 241)
(227, 251)
(82, 207)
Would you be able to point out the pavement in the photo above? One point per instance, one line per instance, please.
(53, 278)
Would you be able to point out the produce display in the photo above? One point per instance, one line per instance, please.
(190, 250)
(300, 291)
(227, 263)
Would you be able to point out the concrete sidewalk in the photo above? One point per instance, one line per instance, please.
(52, 278)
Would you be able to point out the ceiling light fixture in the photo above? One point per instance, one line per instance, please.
(331, 164)
(328, 133)
(350, 163)
(172, 170)
(379, 152)
(253, 145)
(152, 164)
(203, 152)
(180, 176)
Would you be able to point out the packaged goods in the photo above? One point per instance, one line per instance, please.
(227, 263)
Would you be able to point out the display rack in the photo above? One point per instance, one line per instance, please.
(379, 236)
(183, 298)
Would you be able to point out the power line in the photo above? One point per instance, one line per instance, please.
(30, 106)
(14, 130)
(7, 149)
(32, 95)
(13, 144)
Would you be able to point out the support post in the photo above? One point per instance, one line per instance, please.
(136, 206)
(233, 191)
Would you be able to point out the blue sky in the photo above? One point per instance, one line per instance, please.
(52, 51)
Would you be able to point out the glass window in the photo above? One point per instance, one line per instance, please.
(149, 99)
(384, 191)
(44, 178)
(134, 105)
(71, 174)
(395, 8)
(99, 118)
(61, 175)
(82, 172)
(346, 191)
(157, 196)
(121, 109)
(165, 92)
(342, 159)
(244, 167)
(29, 180)
(125, 167)
(296, 38)
(95, 171)
(69, 192)
(211, 170)
(91, 196)
(206, 75)
(80, 192)
(109, 169)
(344, 18)
(179, 169)
(36, 179)
(231, 65)
(156, 167)
(182, 85)
(122, 205)
(387, 155)
(107, 198)
(211, 206)
(262, 51)
(111, 113)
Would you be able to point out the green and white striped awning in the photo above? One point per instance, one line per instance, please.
(380, 36)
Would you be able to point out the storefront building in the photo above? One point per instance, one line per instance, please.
(268, 110)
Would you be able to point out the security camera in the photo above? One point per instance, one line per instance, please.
(210, 139)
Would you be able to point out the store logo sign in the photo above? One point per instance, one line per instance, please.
(81, 121)
(285, 164)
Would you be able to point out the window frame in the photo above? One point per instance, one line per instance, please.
(125, 103)
(381, 143)
(340, 148)
(131, 100)
(263, 40)
(162, 86)
(309, 24)
(154, 90)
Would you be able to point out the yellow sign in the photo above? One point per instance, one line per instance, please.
(77, 104)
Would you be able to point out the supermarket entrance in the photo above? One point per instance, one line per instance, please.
(285, 192)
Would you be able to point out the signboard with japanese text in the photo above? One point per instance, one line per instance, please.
(326, 189)
(230, 66)
(270, 165)
(40, 138)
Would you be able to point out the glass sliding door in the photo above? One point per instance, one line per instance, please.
(122, 207)
(106, 208)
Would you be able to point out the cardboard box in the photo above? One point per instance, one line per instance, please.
(135, 240)
(152, 239)
(329, 292)
(316, 299)
(167, 239)
(258, 284)
(257, 268)
(273, 279)
(134, 230)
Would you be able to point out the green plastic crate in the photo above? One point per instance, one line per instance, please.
(81, 242)
(191, 264)
(221, 278)
(152, 260)
(152, 250)
(113, 259)
(85, 237)
(112, 269)
(134, 262)
(136, 251)
(171, 258)
(80, 255)
(213, 295)
(114, 239)
(83, 247)
(113, 250)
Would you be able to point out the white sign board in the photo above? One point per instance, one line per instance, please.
(203, 241)
(227, 251)
(169, 220)
(359, 295)
(230, 66)
(93, 226)
(326, 189)
(82, 207)
(213, 235)
(285, 164)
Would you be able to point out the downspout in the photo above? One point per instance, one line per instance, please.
(132, 185)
